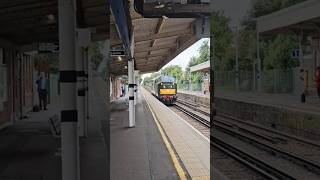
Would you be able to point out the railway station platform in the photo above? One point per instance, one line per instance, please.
(160, 146)
(196, 96)
(283, 112)
(195, 93)
(29, 151)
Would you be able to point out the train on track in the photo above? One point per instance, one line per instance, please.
(165, 89)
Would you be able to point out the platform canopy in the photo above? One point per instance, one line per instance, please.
(26, 22)
(305, 15)
(203, 67)
(156, 41)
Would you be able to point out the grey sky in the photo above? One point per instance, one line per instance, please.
(183, 58)
(235, 9)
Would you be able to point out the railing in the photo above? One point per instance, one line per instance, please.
(272, 81)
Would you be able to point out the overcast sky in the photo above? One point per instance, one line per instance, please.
(235, 9)
(183, 58)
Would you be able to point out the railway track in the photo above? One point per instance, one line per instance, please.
(196, 115)
(249, 161)
(240, 160)
(234, 137)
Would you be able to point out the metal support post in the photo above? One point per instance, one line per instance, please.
(82, 43)
(86, 86)
(259, 68)
(68, 84)
(237, 60)
(136, 73)
(131, 93)
(303, 78)
(80, 89)
(301, 61)
(189, 85)
(134, 94)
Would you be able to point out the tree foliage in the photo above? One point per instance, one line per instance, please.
(222, 37)
(174, 71)
(95, 54)
(275, 50)
(278, 53)
(204, 55)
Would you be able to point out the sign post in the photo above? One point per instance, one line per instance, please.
(117, 52)
(48, 48)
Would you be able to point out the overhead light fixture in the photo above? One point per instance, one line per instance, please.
(51, 18)
(159, 6)
(165, 17)
(119, 58)
(125, 67)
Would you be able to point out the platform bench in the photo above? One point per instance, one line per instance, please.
(54, 123)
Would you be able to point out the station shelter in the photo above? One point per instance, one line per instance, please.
(303, 20)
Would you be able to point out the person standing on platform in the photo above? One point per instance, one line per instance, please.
(123, 90)
(318, 81)
(42, 91)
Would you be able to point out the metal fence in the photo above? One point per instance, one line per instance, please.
(191, 87)
(272, 81)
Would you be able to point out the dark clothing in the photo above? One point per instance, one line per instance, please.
(318, 80)
(122, 90)
(43, 93)
(318, 83)
(43, 99)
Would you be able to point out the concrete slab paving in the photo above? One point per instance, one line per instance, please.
(137, 153)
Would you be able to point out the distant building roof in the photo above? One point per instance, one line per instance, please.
(204, 67)
(305, 14)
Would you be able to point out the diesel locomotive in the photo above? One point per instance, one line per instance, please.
(165, 89)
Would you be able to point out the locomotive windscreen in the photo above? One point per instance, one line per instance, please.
(168, 79)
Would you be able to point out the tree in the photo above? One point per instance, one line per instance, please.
(278, 53)
(204, 54)
(275, 51)
(193, 61)
(174, 71)
(95, 54)
(222, 40)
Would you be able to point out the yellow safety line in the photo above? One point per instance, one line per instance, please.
(173, 156)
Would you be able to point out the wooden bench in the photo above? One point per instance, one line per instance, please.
(54, 123)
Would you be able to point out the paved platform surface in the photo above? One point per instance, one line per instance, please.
(28, 151)
(191, 146)
(137, 153)
(289, 101)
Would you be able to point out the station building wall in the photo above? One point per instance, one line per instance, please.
(16, 92)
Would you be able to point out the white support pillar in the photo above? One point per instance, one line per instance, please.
(82, 43)
(132, 111)
(131, 93)
(134, 95)
(68, 85)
